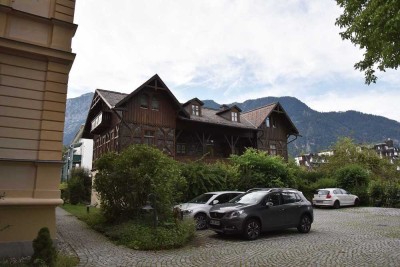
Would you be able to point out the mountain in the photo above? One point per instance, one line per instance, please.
(75, 115)
(318, 130)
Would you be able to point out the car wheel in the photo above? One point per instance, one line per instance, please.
(356, 202)
(336, 205)
(201, 221)
(305, 224)
(252, 229)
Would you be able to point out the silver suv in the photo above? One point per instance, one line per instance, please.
(199, 207)
(260, 210)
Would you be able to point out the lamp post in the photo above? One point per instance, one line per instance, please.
(151, 205)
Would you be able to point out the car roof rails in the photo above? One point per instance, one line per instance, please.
(258, 189)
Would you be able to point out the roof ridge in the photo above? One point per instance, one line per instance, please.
(274, 103)
(115, 92)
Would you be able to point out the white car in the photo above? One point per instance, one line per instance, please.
(199, 207)
(334, 197)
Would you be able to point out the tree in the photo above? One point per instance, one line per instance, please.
(43, 249)
(373, 25)
(124, 182)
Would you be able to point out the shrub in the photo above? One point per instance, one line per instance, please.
(124, 182)
(352, 177)
(137, 235)
(258, 169)
(64, 192)
(43, 249)
(202, 177)
(79, 186)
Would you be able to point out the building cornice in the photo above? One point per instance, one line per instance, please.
(18, 47)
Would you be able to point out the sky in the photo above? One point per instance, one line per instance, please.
(227, 51)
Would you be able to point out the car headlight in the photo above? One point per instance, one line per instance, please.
(235, 213)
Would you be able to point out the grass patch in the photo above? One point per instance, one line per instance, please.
(62, 261)
(136, 234)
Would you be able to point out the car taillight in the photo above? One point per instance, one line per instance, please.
(328, 195)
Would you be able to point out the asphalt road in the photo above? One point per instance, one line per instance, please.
(344, 237)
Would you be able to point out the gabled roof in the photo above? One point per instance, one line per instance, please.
(229, 109)
(160, 85)
(257, 116)
(193, 100)
(110, 98)
(209, 115)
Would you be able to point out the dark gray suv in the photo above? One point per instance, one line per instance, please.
(262, 209)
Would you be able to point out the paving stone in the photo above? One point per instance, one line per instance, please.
(359, 236)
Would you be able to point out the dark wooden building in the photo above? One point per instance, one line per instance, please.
(152, 115)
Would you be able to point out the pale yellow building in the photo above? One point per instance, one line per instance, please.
(35, 60)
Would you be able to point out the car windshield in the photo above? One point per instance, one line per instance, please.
(202, 199)
(322, 192)
(249, 198)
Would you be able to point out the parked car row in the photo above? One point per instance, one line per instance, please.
(261, 209)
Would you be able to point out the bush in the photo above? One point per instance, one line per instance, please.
(385, 194)
(143, 236)
(258, 169)
(79, 186)
(137, 234)
(352, 177)
(124, 182)
(43, 249)
(202, 177)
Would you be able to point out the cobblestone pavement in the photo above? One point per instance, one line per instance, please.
(344, 237)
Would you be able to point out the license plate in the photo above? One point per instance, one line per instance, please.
(215, 222)
(319, 201)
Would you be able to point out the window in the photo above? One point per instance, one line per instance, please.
(144, 101)
(155, 104)
(96, 122)
(195, 110)
(267, 122)
(289, 197)
(273, 123)
(272, 150)
(148, 137)
(275, 198)
(181, 149)
(234, 116)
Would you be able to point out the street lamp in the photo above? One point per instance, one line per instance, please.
(151, 206)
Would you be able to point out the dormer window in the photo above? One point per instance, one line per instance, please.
(195, 110)
(234, 116)
(144, 101)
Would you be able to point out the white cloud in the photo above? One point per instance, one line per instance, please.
(226, 50)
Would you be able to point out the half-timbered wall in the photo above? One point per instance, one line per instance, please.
(161, 137)
(107, 142)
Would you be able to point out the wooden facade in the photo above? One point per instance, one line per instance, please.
(152, 115)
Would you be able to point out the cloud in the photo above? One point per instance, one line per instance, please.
(226, 50)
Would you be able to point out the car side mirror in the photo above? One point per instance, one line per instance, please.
(269, 204)
(215, 202)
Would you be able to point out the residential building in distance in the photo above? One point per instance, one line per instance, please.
(152, 115)
(35, 60)
(78, 155)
